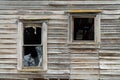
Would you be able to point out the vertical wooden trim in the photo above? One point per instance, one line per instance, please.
(97, 28)
(19, 44)
(44, 41)
(69, 28)
(72, 28)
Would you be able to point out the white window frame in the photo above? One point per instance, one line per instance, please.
(96, 17)
(20, 45)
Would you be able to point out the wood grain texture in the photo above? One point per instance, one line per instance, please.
(65, 60)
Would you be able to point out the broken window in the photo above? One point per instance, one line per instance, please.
(32, 45)
(83, 29)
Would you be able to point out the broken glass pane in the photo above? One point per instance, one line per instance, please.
(32, 49)
(33, 56)
(32, 34)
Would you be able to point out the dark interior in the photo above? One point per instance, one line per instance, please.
(83, 29)
(32, 35)
(32, 46)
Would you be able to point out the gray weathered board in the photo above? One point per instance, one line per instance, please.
(65, 60)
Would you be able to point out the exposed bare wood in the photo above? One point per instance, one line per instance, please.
(86, 60)
(84, 11)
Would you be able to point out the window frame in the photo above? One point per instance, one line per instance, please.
(96, 17)
(20, 45)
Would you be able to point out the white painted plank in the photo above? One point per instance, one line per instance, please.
(8, 41)
(8, 26)
(8, 46)
(111, 12)
(83, 2)
(8, 56)
(8, 51)
(7, 36)
(56, 2)
(8, 21)
(8, 61)
(110, 17)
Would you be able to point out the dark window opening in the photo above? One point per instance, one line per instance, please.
(83, 29)
(32, 48)
(53, 79)
(39, 79)
(32, 35)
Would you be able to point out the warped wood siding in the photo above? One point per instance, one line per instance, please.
(65, 61)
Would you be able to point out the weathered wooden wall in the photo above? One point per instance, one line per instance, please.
(68, 61)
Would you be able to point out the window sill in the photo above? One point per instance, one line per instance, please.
(32, 70)
(84, 44)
